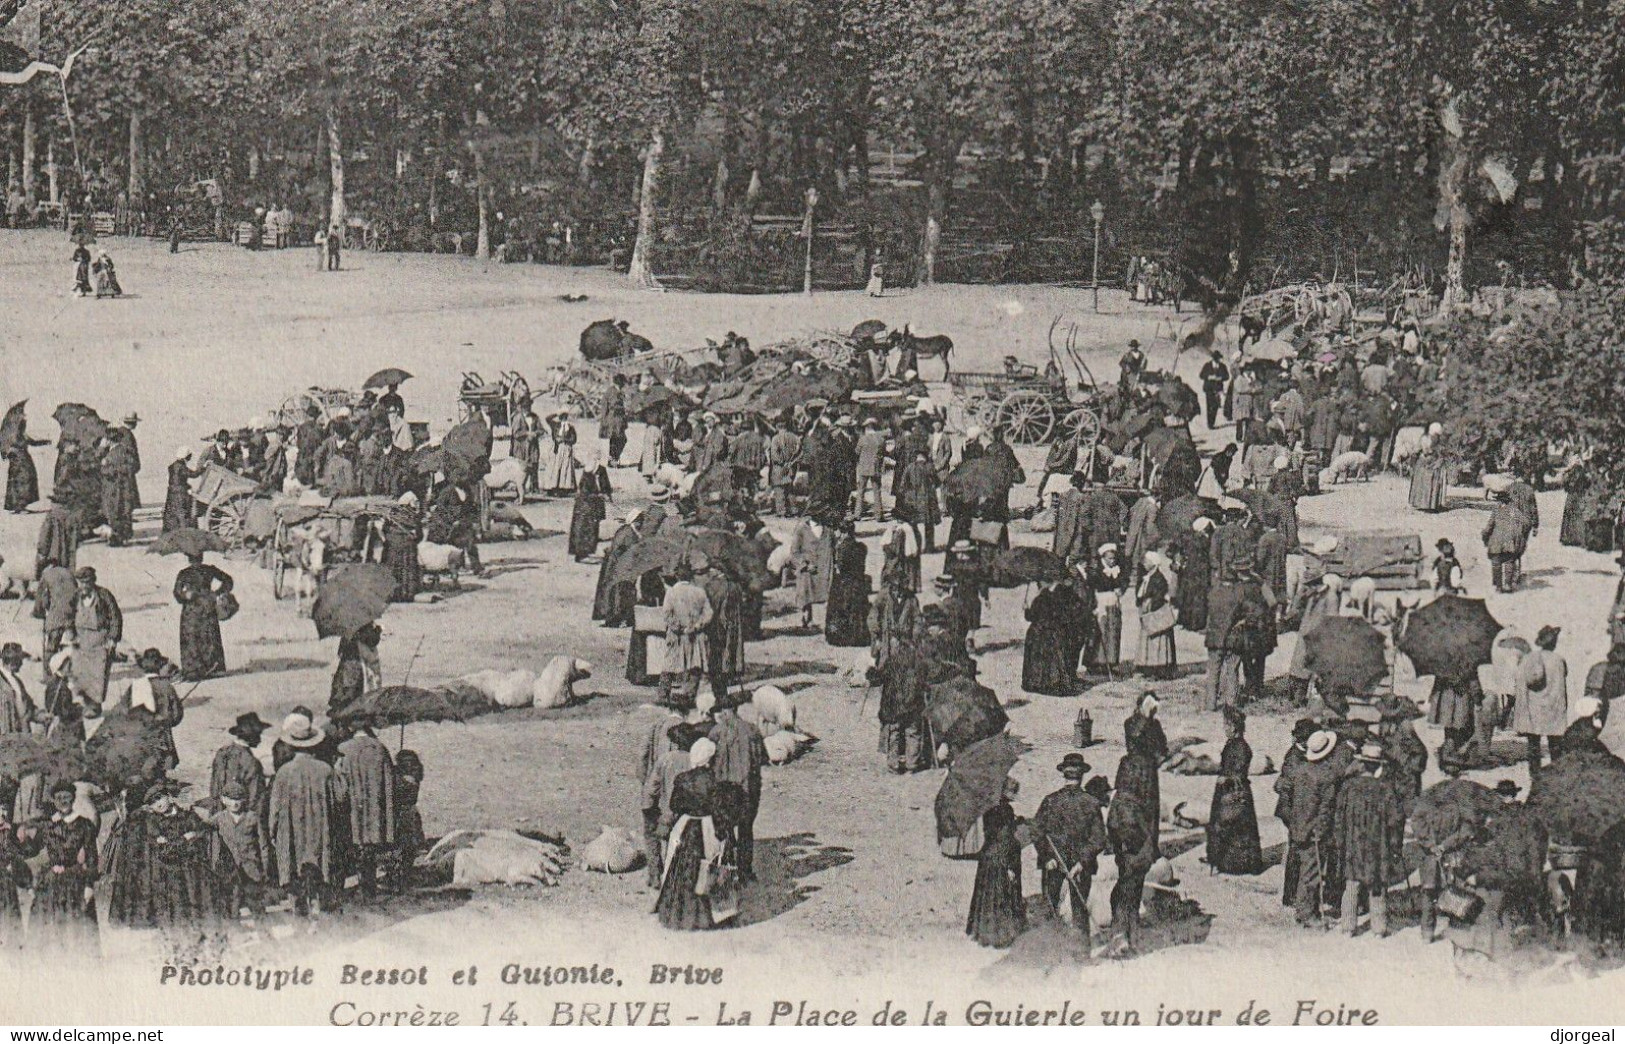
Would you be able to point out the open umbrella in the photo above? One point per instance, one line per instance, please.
(794, 389)
(387, 377)
(408, 704)
(189, 541)
(69, 410)
(1346, 654)
(974, 784)
(1015, 566)
(742, 558)
(128, 746)
(1450, 637)
(13, 427)
(1267, 507)
(426, 460)
(85, 430)
(647, 556)
(980, 478)
(1580, 797)
(868, 330)
(1180, 513)
(961, 711)
(1451, 808)
(353, 596)
(467, 451)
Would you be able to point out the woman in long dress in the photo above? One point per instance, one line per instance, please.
(403, 531)
(198, 588)
(1106, 580)
(63, 915)
(158, 861)
(703, 813)
(561, 471)
(22, 478)
(651, 453)
(180, 510)
(81, 271)
(358, 670)
(998, 913)
(1158, 657)
(812, 554)
(1232, 830)
(1429, 473)
(1049, 661)
(846, 620)
(107, 284)
(589, 510)
(1195, 576)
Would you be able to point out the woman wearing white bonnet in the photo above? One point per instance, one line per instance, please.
(180, 510)
(1158, 657)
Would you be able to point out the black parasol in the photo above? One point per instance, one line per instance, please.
(1580, 796)
(408, 704)
(466, 451)
(980, 478)
(1347, 655)
(651, 554)
(868, 330)
(743, 559)
(354, 595)
(1015, 566)
(1450, 637)
(387, 377)
(189, 541)
(974, 784)
(961, 711)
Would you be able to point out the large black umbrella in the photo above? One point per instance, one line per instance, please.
(1180, 513)
(1267, 507)
(743, 559)
(961, 712)
(980, 478)
(794, 389)
(354, 595)
(67, 411)
(648, 555)
(868, 330)
(1015, 566)
(408, 704)
(1580, 796)
(467, 451)
(1450, 637)
(13, 429)
(128, 747)
(86, 430)
(974, 784)
(189, 541)
(387, 377)
(1346, 654)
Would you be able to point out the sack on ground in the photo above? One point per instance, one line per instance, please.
(439, 558)
(555, 686)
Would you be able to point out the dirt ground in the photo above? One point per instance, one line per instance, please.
(855, 903)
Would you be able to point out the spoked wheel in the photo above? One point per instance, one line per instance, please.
(1027, 418)
(228, 519)
(1082, 424)
(279, 575)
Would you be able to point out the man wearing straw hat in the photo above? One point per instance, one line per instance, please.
(304, 795)
(1071, 836)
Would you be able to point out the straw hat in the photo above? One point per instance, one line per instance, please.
(1320, 745)
(298, 731)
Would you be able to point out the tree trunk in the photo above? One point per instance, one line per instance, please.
(482, 242)
(30, 135)
(1453, 204)
(335, 167)
(253, 164)
(941, 177)
(719, 186)
(50, 170)
(138, 161)
(584, 168)
(641, 271)
(12, 163)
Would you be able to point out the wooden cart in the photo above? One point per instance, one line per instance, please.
(223, 498)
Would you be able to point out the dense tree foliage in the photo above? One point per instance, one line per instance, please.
(1235, 136)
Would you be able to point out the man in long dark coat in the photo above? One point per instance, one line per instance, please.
(1071, 538)
(915, 498)
(1306, 794)
(367, 774)
(903, 685)
(1370, 831)
(237, 763)
(725, 634)
(301, 817)
(59, 534)
(612, 421)
(1071, 836)
(739, 760)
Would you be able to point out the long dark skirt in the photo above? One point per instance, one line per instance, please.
(22, 481)
(1049, 661)
(203, 655)
(678, 907)
(180, 510)
(584, 519)
(349, 684)
(1232, 831)
(60, 916)
(846, 618)
(401, 556)
(998, 913)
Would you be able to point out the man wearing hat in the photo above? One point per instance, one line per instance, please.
(307, 442)
(1130, 366)
(1447, 570)
(240, 850)
(153, 700)
(1306, 799)
(1369, 833)
(871, 459)
(17, 709)
(98, 627)
(740, 756)
(236, 764)
(120, 463)
(1505, 536)
(301, 816)
(1071, 832)
(1540, 697)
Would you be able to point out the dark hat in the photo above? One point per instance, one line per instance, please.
(151, 660)
(249, 725)
(1098, 788)
(1547, 635)
(684, 735)
(12, 651)
(63, 786)
(1304, 728)
(85, 573)
(234, 790)
(1133, 342)
(1073, 766)
(1507, 788)
(1445, 545)
(222, 435)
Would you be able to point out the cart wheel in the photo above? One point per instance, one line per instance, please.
(1027, 418)
(279, 575)
(1082, 424)
(228, 518)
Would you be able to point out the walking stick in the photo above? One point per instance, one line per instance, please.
(1071, 882)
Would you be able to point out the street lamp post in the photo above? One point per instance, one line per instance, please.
(807, 230)
(1097, 212)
